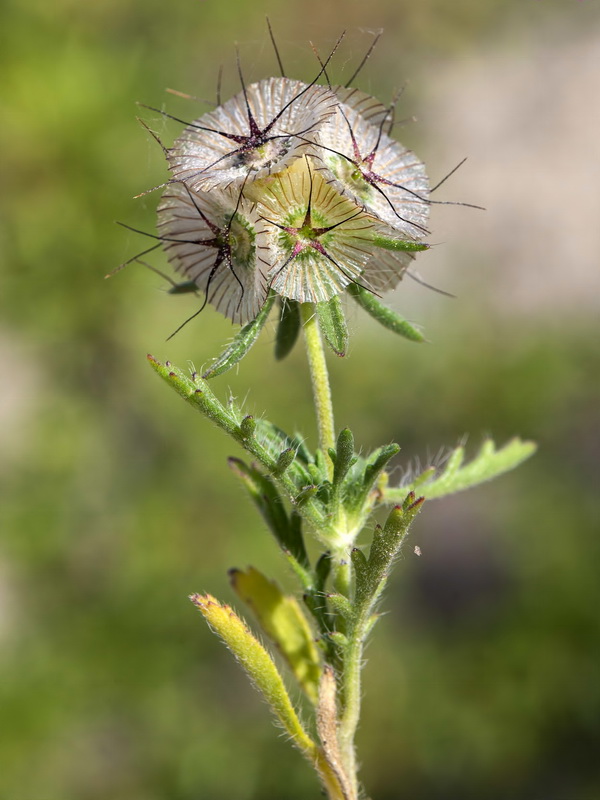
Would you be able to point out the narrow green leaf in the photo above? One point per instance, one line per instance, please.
(303, 574)
(322, 570)
(344, 455)
(364, 482)
(340, 605)
(370, 580)
(359, 562)
(332, 323)
(399, 245)
(197, 392)
(315, 600)
(385, 316)
(296, 542)
(275, 440)
(339, 639)
(185, 287)
(284, 623)
(454, 477)
(287, 530)
(242, 341)
(259, 666)
(284, 461)
(306, 494)
(423, 477)
(288, 328)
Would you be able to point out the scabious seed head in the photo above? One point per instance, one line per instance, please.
(260, 131)
(296, 188)
(376, 171)
(319, 241)
(212, 238)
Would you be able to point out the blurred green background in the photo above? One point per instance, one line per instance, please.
(116, 501)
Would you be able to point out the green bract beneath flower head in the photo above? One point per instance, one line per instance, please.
(212, 239)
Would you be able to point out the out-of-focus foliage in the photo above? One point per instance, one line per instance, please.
(116, 502)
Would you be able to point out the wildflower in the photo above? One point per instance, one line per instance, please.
(212, 239)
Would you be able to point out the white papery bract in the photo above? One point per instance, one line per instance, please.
(364, 163)
(319, 241)
(212, 239)
(279, 123)
(376, 171)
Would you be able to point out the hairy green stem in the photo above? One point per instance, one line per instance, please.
(341, 564)
(351, 693)
(320, 381)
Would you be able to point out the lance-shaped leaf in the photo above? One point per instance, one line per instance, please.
(316, 602)
(284, 623)
(277, 440)
(258, 665)
(269, 502)
(288, 328)
(295, 481)
(197, 392)
(285, 460)
(366, 474)
(456, 476)
(385, 316)
(343, 456)
(332, 323)
(399, 245)
(242, 342)
(372, 574)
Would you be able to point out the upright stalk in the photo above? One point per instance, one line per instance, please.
(342, 568)
(320, 381)
(351, 695)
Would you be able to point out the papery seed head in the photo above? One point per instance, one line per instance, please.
(288, 115)
(212, 239)
(373, 169)
(319, 241)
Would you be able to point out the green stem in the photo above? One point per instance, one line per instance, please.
(351, 694)
(320, 381)
(342, 567)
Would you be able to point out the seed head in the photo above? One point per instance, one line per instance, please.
(260, 131)
(319, 241)
(213, 239)
(293, 188)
